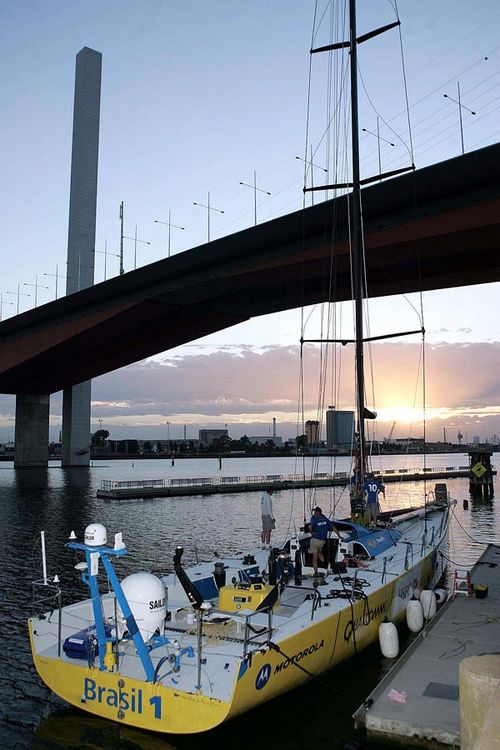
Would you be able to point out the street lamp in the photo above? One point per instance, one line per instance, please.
(311, 164)
(2, 303)
(379, 138)
(37, 287)
(19, 294)
(79, 266)
(169, 225)
(105, 253)
(460, 108)
(209, 208)
(57, 276)
(144, 242)
(255, 188)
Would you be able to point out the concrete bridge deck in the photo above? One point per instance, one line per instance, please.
(436, 228)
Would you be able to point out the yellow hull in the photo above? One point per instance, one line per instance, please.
(311, 651)
(133, 702)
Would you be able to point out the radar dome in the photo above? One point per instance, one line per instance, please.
(95, 535)
(147, 598)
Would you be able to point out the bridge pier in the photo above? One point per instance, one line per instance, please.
(32, 430)
(76, 425)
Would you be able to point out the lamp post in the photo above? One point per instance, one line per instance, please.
(37, 287)
(57, 276)
(460, 108)
(379, 138)
(19, 294)
(255, 189)
(2, 303)
(79, 267)
(169, 225)
(209, 208)
(121, 239)
(106, 253)
(136, 240)
(311, 164)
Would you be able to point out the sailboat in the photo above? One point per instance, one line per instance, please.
(185, 652)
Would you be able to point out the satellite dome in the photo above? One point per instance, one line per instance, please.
(147, 598)
(95, 535)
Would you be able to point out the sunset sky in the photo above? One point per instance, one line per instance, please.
(195, 97)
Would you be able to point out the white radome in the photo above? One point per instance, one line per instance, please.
(95, 535)
(147, 598)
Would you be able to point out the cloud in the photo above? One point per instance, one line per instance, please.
(247, 387)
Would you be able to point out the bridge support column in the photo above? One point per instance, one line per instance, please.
(32, 430)
(76, 425)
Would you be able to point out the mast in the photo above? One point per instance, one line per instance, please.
(357, 240)
(357, 254)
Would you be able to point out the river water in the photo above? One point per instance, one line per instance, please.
(58, 501)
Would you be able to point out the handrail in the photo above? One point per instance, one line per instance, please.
(119, 484)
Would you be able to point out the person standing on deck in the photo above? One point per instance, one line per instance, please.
(372, 487)
(320, 526)
(268, 520)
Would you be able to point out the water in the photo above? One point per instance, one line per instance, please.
(58, 501)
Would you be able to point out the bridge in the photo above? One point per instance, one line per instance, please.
(436, 228)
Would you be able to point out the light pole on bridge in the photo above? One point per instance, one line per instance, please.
(460, 108)
(209, 208)
(19, 294)
(57, 276)
(169, 225)
(255, 189)
(37, 287)
(2, 303)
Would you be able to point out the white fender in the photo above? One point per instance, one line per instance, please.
(389, 639)
(414, 615)
(441, 595)
(428, 599)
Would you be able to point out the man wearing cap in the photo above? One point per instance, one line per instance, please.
(320, 526)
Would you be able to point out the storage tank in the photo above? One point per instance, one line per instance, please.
(339, 429)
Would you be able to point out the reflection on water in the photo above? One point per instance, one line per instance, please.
(59, 500)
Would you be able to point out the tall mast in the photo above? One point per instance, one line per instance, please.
(357, 250)
(357, 241)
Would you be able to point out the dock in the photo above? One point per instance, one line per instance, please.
(143, 488)
(418, 700)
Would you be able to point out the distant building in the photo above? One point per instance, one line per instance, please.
(312, 432)
(339, 429)
(264, 439)
(207, 437)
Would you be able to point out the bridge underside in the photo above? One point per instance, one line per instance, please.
(434, 229)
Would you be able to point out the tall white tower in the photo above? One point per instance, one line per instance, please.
(81, 236)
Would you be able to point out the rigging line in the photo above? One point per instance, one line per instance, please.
(308, 104)
(412, 155)
(460, 72)
(465, 531)
(275, 647)
(454, 562)
(320, 20)
(386, 122)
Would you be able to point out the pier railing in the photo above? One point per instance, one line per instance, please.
(337, 477)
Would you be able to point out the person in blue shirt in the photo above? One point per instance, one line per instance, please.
(320, 525)
(372, 487)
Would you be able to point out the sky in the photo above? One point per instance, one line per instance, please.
(196, 96)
